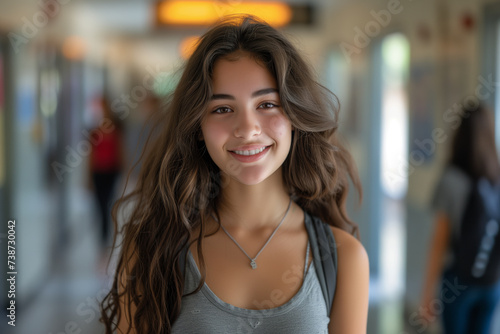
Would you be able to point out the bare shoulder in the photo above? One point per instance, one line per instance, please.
(348, 247)
(350, 306)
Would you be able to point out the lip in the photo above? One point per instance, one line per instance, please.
(250, 158)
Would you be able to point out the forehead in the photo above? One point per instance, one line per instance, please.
(243, 73)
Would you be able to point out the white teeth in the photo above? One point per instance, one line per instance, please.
(251, 152)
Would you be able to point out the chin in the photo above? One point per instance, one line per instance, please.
(249, 179)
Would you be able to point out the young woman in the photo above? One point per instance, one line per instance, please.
(247, 153)
(465, 307)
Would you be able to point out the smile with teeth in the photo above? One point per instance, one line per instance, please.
(251, 152)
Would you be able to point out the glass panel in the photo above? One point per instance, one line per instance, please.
(393, 182)
(395, 59)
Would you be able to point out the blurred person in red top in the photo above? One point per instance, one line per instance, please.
(106, 163)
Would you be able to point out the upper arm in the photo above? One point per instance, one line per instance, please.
(439, 243)
(350, 306)
(442, 229)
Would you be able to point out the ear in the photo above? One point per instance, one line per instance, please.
(200, 136)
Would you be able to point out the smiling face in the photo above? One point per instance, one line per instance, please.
(245, 130)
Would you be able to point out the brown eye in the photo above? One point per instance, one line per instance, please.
(268, 105)
(222, 110)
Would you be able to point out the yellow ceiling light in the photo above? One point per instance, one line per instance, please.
(187, 46)
(176, 12)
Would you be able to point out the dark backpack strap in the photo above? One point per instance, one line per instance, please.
(324, 251)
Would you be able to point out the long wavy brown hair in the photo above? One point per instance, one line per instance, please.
(179, 184)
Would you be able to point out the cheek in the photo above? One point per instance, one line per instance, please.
(280, 126)
(213, 134)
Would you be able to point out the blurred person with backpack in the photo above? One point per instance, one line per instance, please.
(465, 247)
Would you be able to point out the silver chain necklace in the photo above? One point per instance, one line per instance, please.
(253, 264)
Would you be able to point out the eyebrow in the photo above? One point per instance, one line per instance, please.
(254, 94)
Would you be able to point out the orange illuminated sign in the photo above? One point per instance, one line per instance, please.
(206, 12)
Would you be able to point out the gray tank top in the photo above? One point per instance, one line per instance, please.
(204, 312)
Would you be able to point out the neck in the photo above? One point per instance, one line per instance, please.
(253, 206)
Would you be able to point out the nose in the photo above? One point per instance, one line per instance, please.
(247, 124)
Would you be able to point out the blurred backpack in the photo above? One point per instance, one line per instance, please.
(477, 248)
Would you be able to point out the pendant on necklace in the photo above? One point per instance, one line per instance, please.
(253, 264)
